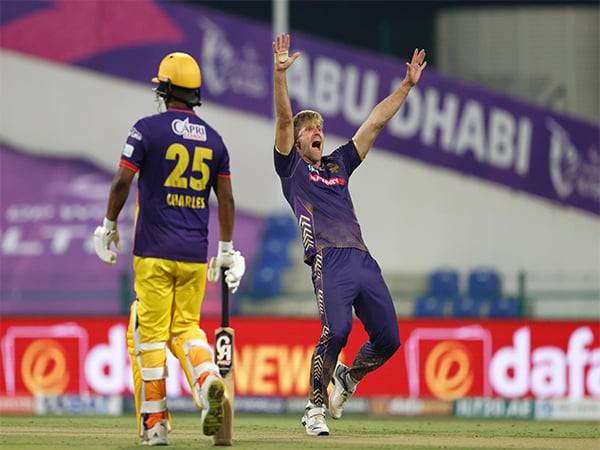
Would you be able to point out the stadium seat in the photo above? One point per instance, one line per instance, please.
(275, 252)
(466, 306)
(444, 283)
(281, 226)
(429, 306)
(266, 281)
(505, 307)
(484, 283)
(273, 257)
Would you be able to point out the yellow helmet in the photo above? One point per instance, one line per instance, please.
(180, 69)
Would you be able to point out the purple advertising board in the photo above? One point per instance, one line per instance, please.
(49, 209)
(444, 122)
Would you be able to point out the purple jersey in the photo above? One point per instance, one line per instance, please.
(320, 198)
(178, 157)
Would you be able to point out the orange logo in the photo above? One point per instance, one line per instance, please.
(448, 370)
(44, 367)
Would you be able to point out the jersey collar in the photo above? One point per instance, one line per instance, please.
(188, 111)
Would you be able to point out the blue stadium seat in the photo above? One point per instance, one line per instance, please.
(281, 226)
(505, 307)
(429, 306)
(444, 283)
(484, 283)
(266, 281)
(275, 252)
(466, 306)
(273, 257)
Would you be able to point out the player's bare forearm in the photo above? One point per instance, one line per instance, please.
(379, 117)
(385, 110)
(284, 127)
(283, 106)
(226, 208)
(226, 215)
(119, 191)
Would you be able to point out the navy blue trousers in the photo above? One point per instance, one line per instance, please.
(346, 278)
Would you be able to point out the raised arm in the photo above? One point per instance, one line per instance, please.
(385, 110)
(284, 128)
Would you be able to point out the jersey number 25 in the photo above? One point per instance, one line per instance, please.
(182, 155)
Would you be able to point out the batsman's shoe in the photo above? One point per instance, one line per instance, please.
(212, 395)
(340, 393)
(156, 435)
(314, 421)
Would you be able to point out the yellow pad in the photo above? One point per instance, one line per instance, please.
(196, 354)
(155, 389)
(150, 358)
(137, 392)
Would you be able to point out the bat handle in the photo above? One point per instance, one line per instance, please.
(224, 300)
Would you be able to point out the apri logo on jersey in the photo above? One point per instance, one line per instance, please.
(189, 130)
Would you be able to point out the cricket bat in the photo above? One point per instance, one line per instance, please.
(224, 336)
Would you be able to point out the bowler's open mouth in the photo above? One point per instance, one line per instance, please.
(316, 144)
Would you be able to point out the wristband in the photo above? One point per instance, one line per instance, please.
(225, 247)
(109, 224)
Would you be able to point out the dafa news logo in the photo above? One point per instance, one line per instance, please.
(44, 360)
(448, 363)
(504, 361)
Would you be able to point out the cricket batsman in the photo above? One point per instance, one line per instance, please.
(179, 158)
(344, 274)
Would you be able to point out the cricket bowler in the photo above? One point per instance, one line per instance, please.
(179, 159)
(344, 274)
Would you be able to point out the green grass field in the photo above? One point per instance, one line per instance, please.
(285, 432)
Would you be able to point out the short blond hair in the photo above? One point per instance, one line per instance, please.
(303, 117)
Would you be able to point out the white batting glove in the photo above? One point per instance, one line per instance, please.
(233, 275)
(104, 235)
(232, 260)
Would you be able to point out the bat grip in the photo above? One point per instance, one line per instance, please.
(224, 301)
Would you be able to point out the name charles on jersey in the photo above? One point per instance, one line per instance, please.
(185, 201)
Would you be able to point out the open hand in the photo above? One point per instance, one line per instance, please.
(281, 47)
(415, 67)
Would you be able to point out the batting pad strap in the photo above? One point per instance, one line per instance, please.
(204, 367)
(187, 346)
(156, 406)
(154, 373)
(149, 346)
